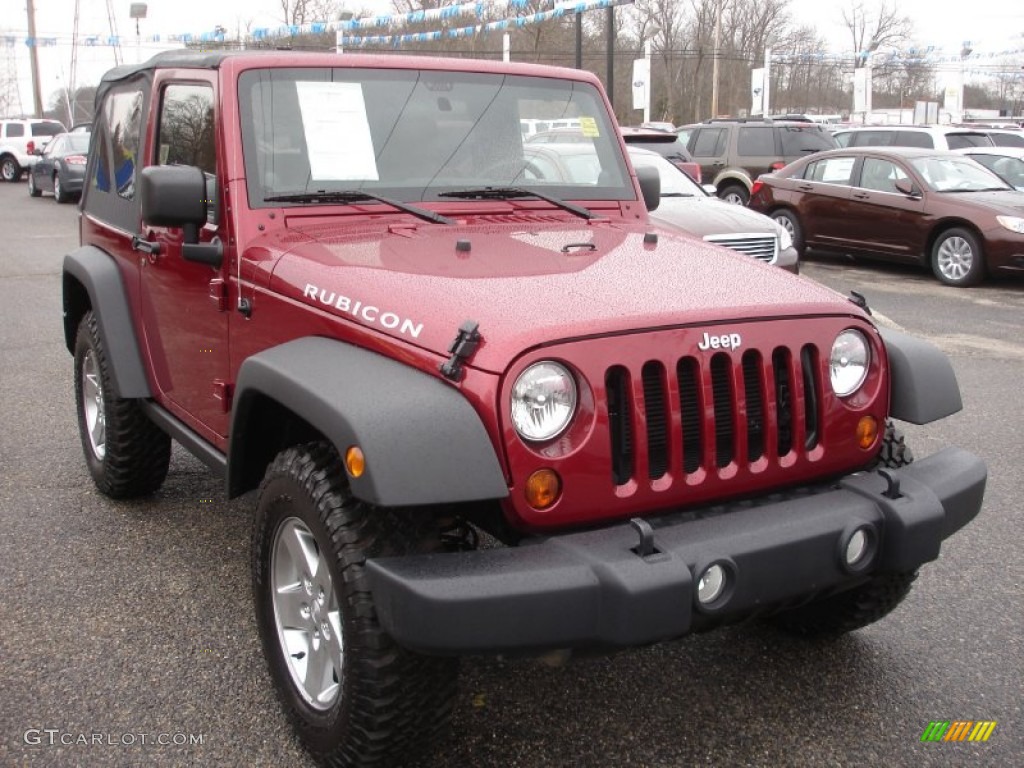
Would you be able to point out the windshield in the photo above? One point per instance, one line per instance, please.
(414, 134)
(946, 174)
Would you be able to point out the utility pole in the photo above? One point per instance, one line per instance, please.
(714, 66)
(33, 57)
(610, 85)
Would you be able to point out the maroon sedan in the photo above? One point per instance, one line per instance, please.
(911, 205)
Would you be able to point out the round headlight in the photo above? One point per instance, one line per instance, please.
(543, 401)
(848, 363)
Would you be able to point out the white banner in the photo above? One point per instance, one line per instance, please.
(757, 91)
(861, 83)
(641, 82)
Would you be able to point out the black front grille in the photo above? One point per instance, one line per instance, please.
(757, 406)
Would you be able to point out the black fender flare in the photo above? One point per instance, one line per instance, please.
(923, 386)
(98, 275)
(423, 441)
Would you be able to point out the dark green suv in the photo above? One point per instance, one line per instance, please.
(733, 153)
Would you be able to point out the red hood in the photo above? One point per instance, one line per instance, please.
(419, 285)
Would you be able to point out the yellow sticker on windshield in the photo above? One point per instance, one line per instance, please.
(589, 126)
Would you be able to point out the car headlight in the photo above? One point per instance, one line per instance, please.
(848, 363)
(785, 239)
(1012, 223)
(543, 401)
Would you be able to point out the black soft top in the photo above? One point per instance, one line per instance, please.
(183, 59)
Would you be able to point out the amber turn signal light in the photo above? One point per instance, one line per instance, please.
(867, 431)
(543, 488)
(355, 461)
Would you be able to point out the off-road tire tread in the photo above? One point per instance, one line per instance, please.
(849, 610)
(402, 701)
(895, 452)
(138, 453)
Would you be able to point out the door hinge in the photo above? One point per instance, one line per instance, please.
(222, 392)
(219, 294)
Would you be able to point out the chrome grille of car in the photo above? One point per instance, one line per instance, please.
(733, 409)
(761, 246)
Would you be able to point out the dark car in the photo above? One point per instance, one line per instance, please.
(61, 167)
(905, 204)
(732, 153)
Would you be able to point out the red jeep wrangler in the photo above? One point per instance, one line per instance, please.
(337, 280)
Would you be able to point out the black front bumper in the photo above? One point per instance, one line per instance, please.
(593, 589)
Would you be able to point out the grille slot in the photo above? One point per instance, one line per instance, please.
(657, 419)
(783, 400)
(690, 403)
(809, 363)
(721, 387)
(620, 423)
(760, 246)
(755, 405)
(766, 403)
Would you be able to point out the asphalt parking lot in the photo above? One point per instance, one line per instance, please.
(132, 621)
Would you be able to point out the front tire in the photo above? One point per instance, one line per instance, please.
(353, 695)
(33, 190)
(957, 258)
(865, 604)
(127, 454)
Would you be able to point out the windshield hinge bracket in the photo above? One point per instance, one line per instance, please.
(466, 342)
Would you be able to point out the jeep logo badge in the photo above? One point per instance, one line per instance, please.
(725, 341)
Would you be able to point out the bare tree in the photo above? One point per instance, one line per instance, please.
(874, 28)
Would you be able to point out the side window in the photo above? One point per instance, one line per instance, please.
(186, 134)
(914, 139)
(832, 170)
(709, 142)
(117, 140)
(14, 130)
(880, 175)
(756, 141)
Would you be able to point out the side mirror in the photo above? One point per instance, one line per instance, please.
(175, 196)
(650, 186)
(38, 151)
(906, 187)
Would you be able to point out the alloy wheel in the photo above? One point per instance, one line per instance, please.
(307, 614)
(92, 405)
(955, 258)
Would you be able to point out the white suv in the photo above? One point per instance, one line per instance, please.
(925, 136)
(19, 139)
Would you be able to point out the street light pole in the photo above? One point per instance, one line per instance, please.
(647, 83)
(714, 66)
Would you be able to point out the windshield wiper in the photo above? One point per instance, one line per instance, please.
(354, 196)
(509, 193)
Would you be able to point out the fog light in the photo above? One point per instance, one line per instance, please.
(856, 547)
(867, 431)
(711, 584)
(355, 462)
(543, 488)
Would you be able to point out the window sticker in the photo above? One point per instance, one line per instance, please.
(589, 126)
(337, 131)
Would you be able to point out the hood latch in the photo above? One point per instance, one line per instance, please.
(465, 344)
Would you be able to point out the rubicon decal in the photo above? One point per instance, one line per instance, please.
(366, 312)
(958, 730)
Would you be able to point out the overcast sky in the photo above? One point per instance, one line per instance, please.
(990, 25)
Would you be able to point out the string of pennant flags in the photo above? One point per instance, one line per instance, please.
(481, 10)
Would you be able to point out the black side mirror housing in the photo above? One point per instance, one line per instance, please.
(173, 196)
(650, 186)
(176, 196)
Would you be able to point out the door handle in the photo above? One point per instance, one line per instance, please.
(805, 187)
(146, 246)
(860, 195)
